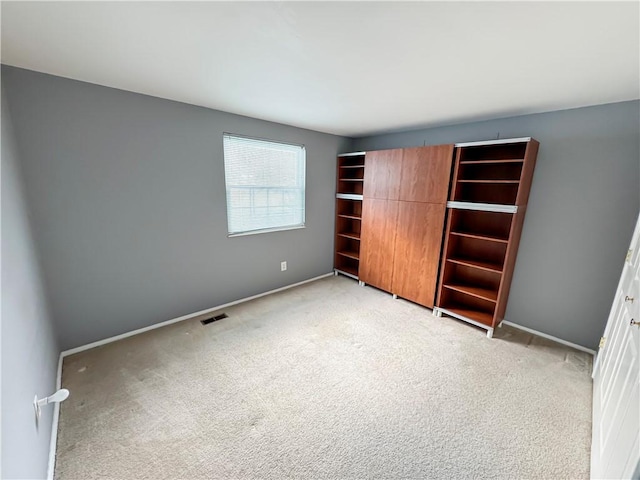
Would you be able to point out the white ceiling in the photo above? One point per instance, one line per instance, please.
(346, 68)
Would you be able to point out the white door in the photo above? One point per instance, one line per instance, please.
(615, 447)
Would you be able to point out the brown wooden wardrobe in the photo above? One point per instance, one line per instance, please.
(403, 210)
(390, 223)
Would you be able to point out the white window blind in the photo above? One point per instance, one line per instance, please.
(265, 184)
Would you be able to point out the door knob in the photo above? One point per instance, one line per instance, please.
(633, 322)
(627, 298)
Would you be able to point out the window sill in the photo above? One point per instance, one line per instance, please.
(265, 230)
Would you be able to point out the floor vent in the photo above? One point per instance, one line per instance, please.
(209, 320)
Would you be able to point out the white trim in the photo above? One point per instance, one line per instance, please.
(494, 142)
(550, 337)
(353, 154)
(53, 442)
(99, 343)
(596, 361)
(349, 196)
(56, 408)
(265, 230)
(484, 207)
(260, 139)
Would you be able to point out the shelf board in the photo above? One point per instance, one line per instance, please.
(480, 237)
(478, 292)
(347, 271)
(349, 254)
(504, 160)
(482, 207)
(489, 267)
(349, 196)
(352, 217)
(469, 313)
(351, 235)
(507, 182)
(494, 142)
(352, 166)
(352, 179)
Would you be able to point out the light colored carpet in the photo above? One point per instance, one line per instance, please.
(327, 380)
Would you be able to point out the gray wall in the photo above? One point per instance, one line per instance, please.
(29, 348)
(129, 205)
(127, 194)
(583, 206)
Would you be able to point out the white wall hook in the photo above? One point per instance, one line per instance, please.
(60, 396)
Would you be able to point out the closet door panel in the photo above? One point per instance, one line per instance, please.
(382, 172)
(417, 251)
(377, 242)
(426, 173)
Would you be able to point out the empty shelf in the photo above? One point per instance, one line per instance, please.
(490, 267)
(490, 181)
(468, 313)
(352, 235)
(347, 270)
(349, 254)
(478, 292)
(480, 237)
(505, 160)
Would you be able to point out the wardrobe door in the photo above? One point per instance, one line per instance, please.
(417, 251)
(382, 172)
(426, 172)
(377, 242)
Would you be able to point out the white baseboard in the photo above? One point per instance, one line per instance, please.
(550, 337)
(56, 412)
(89, 346)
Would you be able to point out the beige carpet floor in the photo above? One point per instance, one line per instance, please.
(327, 380)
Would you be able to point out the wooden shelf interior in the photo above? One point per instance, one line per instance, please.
(473, 249)
(483, 224)
(347, 264)
(350, 235)
(350, 174)
(348, 186)
(350, 180)
(472, 281)
(474, 263)
(470, 307)
(505, 151)
(348, 227)
(352, 208)
(348, 240)
(496, 193)
(490, 173)
(481, 264)
(354, 161)
(348, 224)
(475, 267)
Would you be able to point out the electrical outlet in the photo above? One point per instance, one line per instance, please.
(283, 266)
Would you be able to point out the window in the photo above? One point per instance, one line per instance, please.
(265, 185)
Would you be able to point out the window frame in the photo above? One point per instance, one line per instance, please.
(304, 186)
